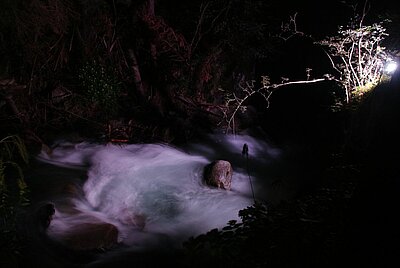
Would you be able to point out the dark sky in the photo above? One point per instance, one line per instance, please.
(320, 17)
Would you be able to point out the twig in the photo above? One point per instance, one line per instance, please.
(245, 153)
(266, 91)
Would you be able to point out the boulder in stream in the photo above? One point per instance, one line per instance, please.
(219, 174)
(91, 236)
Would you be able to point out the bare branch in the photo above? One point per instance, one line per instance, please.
(289, 29)
(234, 103)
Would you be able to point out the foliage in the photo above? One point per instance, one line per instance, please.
(183, 56)
(181, 60)
(303, 232)
(13, 193)
(45, 31)
(358, 55)
(223, 247)
(101, 86)
(222, 36)
(13, 151)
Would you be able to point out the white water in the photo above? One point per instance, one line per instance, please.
(154, 193)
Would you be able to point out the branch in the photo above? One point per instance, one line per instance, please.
(265, 91)
(351, 66)
(197, 34)
(290, 27)
(332, 63)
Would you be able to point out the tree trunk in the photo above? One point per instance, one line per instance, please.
(136, 74)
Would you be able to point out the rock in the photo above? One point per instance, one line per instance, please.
(73, 190)
(90, 236)
(134, 219)
(45, 215)
(47, 149)
(219, 174)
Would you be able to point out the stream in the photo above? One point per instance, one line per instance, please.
(151, 195)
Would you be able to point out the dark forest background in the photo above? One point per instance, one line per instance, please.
(126, 71)
(152, 68)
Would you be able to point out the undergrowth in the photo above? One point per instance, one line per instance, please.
(305, 232)
(13, 197)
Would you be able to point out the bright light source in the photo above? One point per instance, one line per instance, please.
(390, 67)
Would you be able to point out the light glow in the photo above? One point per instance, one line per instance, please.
(390, 67)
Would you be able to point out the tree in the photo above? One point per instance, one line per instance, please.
(358, 55)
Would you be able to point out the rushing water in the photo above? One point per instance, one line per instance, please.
(154, 193)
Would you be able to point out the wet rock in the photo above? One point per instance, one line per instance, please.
(219, 174)
(45, 214)
(138, 220)
(73, 190)
(91, 236)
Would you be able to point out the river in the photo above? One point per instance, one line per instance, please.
(154, 194)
